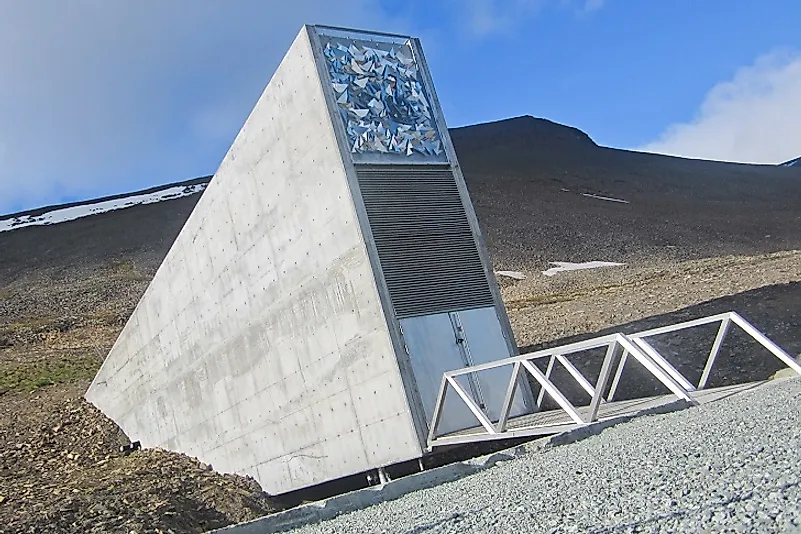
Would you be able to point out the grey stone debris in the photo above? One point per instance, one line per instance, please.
(730, 466)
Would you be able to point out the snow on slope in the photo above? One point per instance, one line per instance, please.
(59, 215)
(562, 266)
(792, 163)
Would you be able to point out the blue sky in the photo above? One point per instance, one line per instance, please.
(107, 96)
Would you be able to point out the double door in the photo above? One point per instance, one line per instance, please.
(448, 341)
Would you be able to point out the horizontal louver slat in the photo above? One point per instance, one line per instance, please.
(426, 248)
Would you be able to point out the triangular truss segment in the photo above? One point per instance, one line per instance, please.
(620, 347)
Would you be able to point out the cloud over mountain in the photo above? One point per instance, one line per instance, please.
(753, 118)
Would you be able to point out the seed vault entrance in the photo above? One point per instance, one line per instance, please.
(440, 343)
(298, 328)
(432, 268)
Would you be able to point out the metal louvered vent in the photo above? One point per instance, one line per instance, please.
(425, 246)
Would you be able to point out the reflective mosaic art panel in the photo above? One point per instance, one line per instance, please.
(379, 92)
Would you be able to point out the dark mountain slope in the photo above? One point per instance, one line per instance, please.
(139, 234)
(527, 176)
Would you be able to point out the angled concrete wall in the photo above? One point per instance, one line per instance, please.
(261, 345)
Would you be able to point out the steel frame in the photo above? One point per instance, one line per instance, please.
(620, 347)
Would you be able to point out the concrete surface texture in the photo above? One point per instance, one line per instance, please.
(260, 346)
(729, 466)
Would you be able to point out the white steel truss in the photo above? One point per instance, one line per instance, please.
(619, 348)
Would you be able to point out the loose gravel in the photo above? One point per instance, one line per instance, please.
(730, 466)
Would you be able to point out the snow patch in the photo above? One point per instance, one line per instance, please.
(562, 266)
(76, 212)
(517, 275)
(792, 163)
(609, 199)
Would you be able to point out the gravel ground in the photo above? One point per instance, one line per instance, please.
(730, 466)
(544, 309)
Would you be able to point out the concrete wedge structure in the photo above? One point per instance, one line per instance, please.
(298, 329)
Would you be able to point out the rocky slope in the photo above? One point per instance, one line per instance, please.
(62, 472)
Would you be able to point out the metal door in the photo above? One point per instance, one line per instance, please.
(452, 340)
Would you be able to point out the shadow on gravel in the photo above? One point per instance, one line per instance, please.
(452, 520)
(775, 310)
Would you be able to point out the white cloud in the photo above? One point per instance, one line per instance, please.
(753, 118)
(592, 5)
(486, 17)
(101, 96)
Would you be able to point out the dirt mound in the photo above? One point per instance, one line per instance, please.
(61, 470)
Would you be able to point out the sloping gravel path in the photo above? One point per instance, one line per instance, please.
(730, 466)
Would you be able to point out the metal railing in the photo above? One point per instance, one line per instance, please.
(618, 346)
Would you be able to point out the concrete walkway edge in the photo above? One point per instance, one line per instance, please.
(356, 500)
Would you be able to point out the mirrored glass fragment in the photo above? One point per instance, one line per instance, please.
(381, 98)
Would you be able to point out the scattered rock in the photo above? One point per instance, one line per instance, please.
(65, 473)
